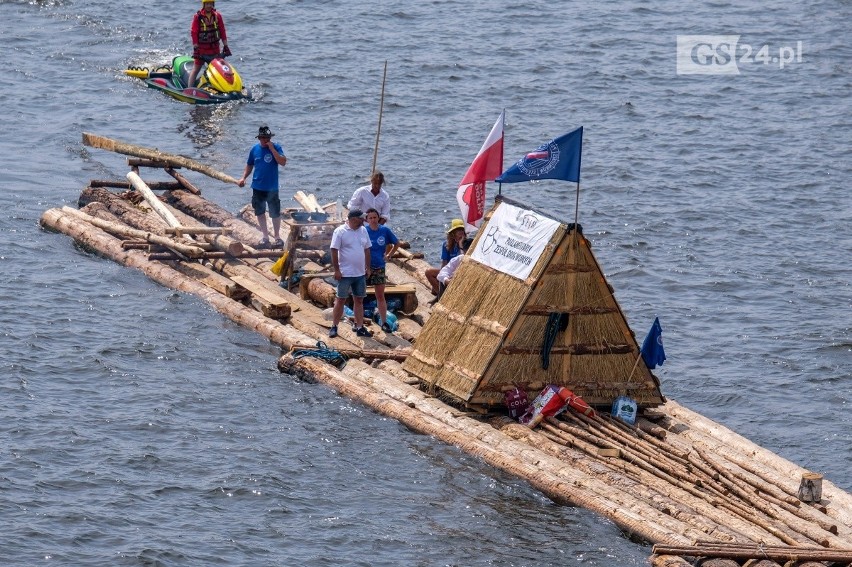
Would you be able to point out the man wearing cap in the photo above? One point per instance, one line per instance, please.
(372, 196)
(350, 258)
(450, 248)
(264, 159)
(207, 29)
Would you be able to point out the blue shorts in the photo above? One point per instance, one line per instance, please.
(357, 285)
(259, 200)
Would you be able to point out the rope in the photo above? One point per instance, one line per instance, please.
(322, 352)
(556, 322)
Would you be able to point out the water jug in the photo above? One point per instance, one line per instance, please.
(624, 408)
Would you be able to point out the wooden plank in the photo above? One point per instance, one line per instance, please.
(214, 280)
(392, 289)
(261, 291)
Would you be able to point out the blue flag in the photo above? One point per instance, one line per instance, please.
(558, 159)
(653, 352)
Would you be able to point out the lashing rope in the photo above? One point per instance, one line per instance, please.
(323, 352)
(556, 322)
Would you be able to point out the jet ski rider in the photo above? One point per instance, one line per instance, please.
(207, 29)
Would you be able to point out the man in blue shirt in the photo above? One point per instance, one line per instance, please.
(264, 159)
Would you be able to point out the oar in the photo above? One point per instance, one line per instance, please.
(379, 128)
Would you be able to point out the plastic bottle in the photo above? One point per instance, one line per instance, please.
(625, 409)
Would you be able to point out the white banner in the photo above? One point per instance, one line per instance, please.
(514, 240)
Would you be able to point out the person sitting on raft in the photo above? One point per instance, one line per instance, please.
(451, 248)
(447, 272)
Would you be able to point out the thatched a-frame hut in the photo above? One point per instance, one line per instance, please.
(529, 306)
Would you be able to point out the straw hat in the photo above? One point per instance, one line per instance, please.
(454, 224)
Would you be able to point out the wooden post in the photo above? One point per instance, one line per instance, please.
(810, 489)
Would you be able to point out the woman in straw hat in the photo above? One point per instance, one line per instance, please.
(451, 248)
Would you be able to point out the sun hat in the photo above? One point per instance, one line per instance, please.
(454, 224)
(264, 131)
(356, 214)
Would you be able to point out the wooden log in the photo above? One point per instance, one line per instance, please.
(213, 215)
(125, 211)
(310, 205)
(212, 279)
(669, 561)
(408, 329)
(321, 292)
(155, 185)
(181, 230)
(717, 562)
(183, 181)
(416, 267)
(757, 551)
(108, 246)
(142, 162)
(152, 200)
(128, 232)
(109, 144)
(205, 255)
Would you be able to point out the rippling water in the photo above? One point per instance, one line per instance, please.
(138, 427)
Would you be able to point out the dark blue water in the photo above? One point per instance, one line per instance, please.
(138, 427)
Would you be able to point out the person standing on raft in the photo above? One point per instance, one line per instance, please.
(264, 159)
(380, 238)
(350, 258)
(372, 196)
(207, 29)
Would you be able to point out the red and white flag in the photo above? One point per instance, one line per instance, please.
(486, 166)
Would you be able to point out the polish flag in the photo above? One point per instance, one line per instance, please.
(486, 166)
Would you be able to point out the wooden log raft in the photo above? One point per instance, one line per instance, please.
(756, 551)
(109, 144)
(547, 474)
(108, 246)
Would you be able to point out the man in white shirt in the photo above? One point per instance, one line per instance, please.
(372, 196)
(350, 258)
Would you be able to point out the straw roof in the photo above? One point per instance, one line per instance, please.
(487, 334)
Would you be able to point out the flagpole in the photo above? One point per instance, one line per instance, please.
(635, 364)
(379, 128)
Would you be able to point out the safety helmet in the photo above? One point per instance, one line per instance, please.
(203, 2)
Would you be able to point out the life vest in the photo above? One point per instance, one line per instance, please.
(208, 28)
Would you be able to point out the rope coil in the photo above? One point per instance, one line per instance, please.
(322, 352)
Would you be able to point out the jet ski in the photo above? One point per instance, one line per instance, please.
(218, 82)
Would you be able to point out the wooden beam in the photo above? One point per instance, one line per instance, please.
(577, 349)
(109, 144)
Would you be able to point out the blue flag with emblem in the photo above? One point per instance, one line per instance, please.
(653, 352)
(557, 159)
